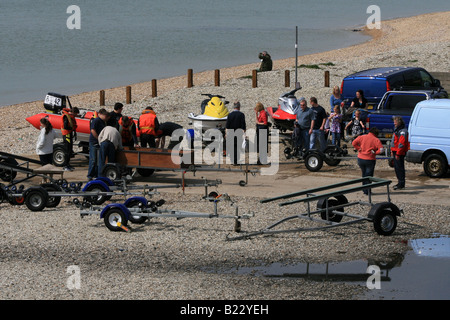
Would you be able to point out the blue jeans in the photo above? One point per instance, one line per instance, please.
(93, 160)
(317, 133)
(336, 138)
(107, 150)
(367, 169)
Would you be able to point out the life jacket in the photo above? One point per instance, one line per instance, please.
(126, 131)
(400, 143)
(147, 122)
(72, 122)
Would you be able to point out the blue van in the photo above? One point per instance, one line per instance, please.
(376, 82)
(429, 136)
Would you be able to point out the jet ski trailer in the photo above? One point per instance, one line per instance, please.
(330, 206)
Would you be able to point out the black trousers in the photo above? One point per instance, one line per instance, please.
(399, 167)
(148, 139)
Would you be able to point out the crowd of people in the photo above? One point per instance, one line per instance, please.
(111, 131)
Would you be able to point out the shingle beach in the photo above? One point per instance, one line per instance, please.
(185, 259)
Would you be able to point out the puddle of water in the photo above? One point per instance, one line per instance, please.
(422, 273)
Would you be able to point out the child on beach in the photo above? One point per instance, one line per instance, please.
(357, 124)
(335, 120)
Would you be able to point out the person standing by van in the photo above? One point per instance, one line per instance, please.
(400, 146)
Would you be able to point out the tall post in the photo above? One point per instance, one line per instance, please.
(287, 78)
(297, 84)
(327, 78)
(154, 88)
(254, 78)
(190, 78)
(128, 94)
(217, 78)
(102, 97)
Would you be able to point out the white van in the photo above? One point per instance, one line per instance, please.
(429, 136)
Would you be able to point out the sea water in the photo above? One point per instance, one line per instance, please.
(124, 42)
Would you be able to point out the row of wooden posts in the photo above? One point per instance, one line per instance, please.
(190, 83)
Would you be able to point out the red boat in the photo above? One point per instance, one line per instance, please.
(53, 104)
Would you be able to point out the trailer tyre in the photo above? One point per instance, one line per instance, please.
(97, 200)
(60, 157)
(112, 217)
(313, 162)
(145, 172)
(435, 166)
(8, 175)
(331, 152)
(384, 217)
(112, 172)
(136, 218)
(36, 198)
(53, 201)
(322, 204)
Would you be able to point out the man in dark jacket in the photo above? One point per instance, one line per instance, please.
(266, 61)
(236, 127)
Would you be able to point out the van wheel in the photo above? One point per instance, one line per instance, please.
(435, 166)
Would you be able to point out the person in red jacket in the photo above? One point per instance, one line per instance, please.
(368, 146)
(400, 146)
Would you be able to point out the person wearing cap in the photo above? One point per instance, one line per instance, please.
(235, 129)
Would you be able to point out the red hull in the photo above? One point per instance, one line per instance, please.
(83, 123)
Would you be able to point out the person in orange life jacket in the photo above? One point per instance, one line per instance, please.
(68, 131)
(368, 146)
(148, 127)
(400, 146)
(127, 130)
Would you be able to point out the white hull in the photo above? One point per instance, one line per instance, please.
(203, 122)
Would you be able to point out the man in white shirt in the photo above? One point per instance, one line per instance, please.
(110, 141)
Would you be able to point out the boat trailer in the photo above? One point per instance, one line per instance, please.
(138, 209)
(330, 206)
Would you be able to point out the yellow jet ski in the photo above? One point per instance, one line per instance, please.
(214, 114)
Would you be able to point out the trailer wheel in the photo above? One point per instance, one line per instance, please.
(313, 162)
(435, 166)
(135, 218)
(53, 201)
(112, 217)
(331, 152)
(145, 172)
(112, 172)
(384, 222)
(36, 198)
(322, 204)
(97, 200)
(60, 157)
(8, 175)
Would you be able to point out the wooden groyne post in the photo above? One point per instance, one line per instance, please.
(102, 97)
(255, 78)
(128, 93)
(217, 78)
(190, 78)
